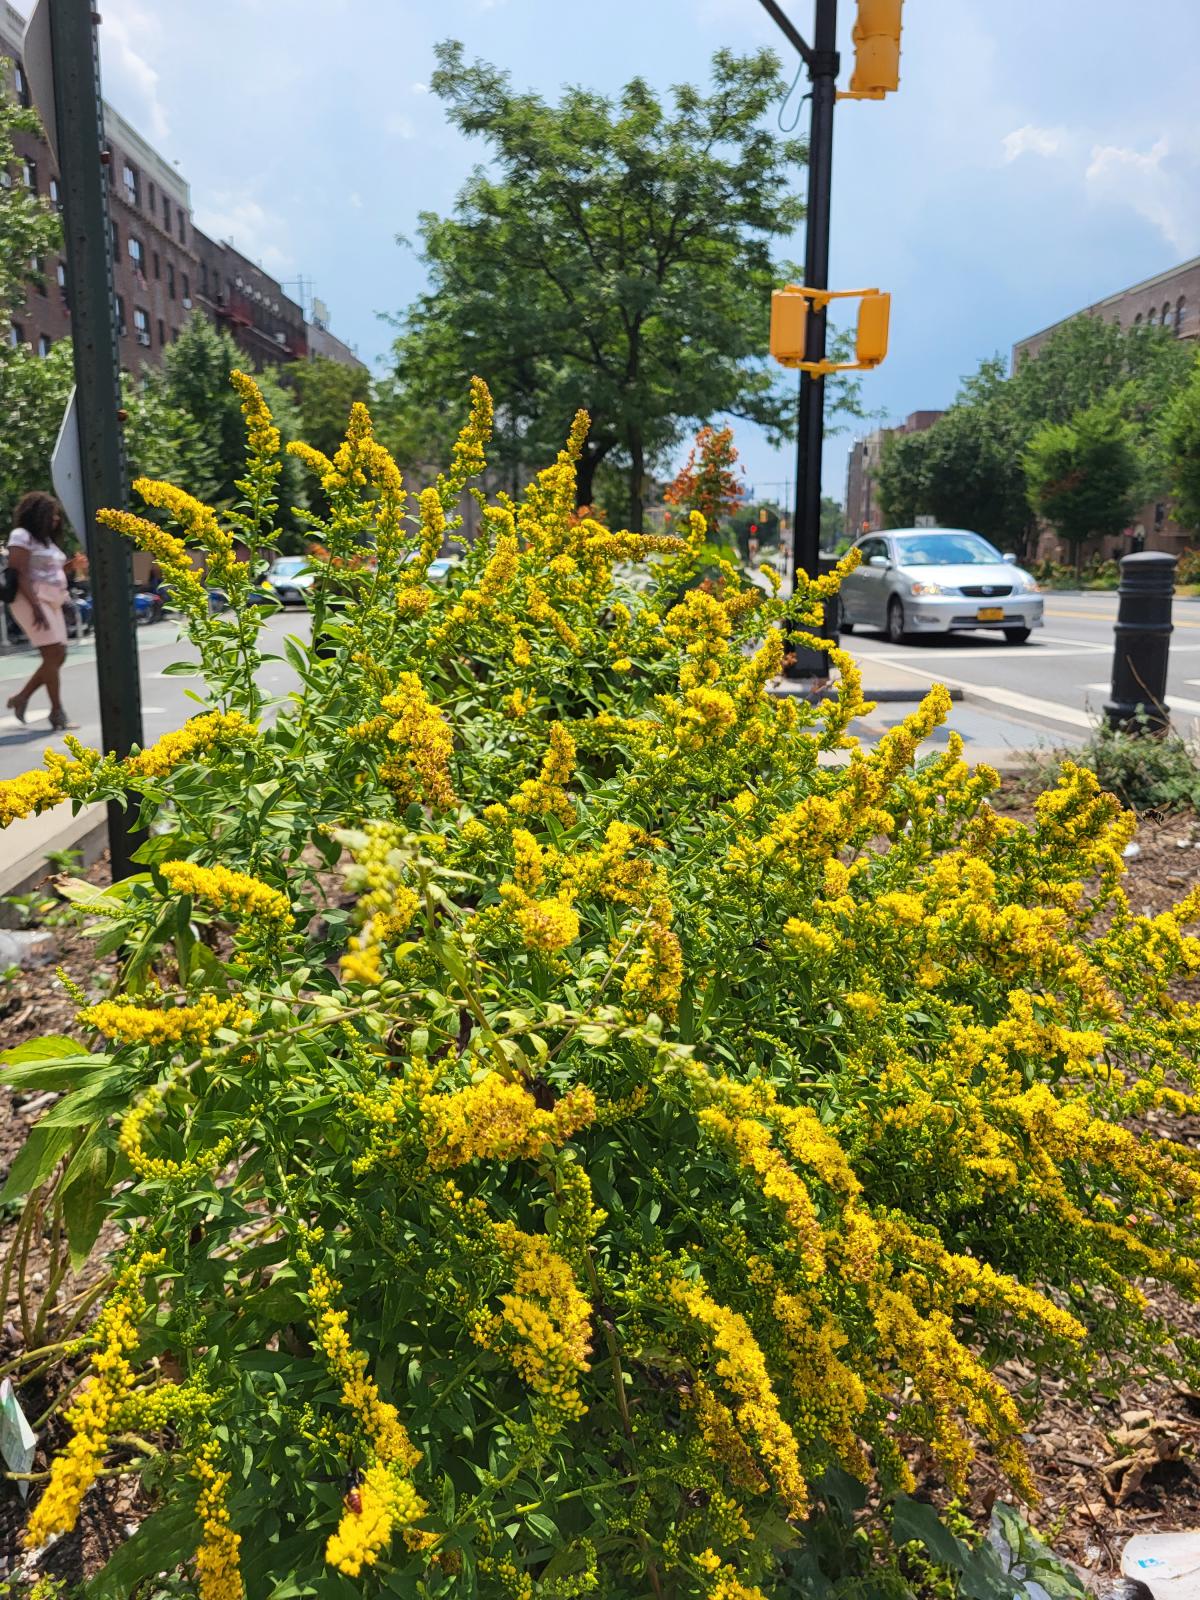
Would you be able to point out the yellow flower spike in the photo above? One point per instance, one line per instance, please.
(187, 591)
(497, 1120)
(546, 794)
(218, 1569)
(243, 897)
(544, 1326)
(469, 456)
(260, 425)
(223, 569)
(127, 1022)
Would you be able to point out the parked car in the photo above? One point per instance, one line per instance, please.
(938, 580)
(291, 577)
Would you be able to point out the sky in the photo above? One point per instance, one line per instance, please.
(1039, 155)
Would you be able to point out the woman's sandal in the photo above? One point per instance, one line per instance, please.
(59, 721)
(17, 706)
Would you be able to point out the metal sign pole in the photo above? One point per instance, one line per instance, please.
(74, 121)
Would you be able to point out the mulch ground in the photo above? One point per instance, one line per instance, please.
(1106, 1467)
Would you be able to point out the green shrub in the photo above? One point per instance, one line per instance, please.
(663, 1144)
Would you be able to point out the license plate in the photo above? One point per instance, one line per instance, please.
(990, 614)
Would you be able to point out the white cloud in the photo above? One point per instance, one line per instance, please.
(130, 82)
(247, 224)
(1035, 141)
(399, 126)
(1150, 184)
(419, 88)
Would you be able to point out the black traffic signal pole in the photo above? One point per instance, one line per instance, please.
(822, 62)
(87, 239)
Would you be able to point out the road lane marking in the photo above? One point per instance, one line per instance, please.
(1103, 616)
(1050, 709)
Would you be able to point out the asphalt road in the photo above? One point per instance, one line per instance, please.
(165, 699)
(1049, 691)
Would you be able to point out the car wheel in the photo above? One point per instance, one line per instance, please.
(896, 631)
(1017, 635)
(845, 626)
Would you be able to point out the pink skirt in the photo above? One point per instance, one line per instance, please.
(50, 598)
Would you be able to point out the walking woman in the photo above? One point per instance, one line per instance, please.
(39, 562)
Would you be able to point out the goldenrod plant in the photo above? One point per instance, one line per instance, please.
(569, 1117)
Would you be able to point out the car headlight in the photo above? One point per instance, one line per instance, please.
(1027, 585)
(927, 588)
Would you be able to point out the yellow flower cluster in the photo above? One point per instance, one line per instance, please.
(95, 1416)
(63, 778)
(218, 1567)
(544, 1326)
(215, 732)
(547, 925)
(654, 979)
(222, 567)
(725, 1582)
(261, 431)
(419, 767)
(131, 1136)
(546, 794)
(125, 1021)
(494, 1120)
(739, 1363)
(700, 625)
(387, 1499)
(187, 590)
(236, 893)
(386, 906)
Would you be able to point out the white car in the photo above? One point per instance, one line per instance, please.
(291, 577)
(938, 580)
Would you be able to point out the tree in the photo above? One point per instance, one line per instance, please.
(325, 390)
(194, 383)
(1180, 444)
(29, 228)
(710, 481)
(833, 522)
(1083, 474)
(901, 478)
(614, 256)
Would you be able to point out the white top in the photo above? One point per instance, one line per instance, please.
(46, 561)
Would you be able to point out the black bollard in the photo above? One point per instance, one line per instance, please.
(1142, 639)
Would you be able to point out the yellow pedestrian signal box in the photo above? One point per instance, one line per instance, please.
(871, 339)
(876, 51)
(789, 325)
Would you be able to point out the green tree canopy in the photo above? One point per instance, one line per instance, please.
(325, 390)
(615, 255)
(1083, 474)
(1180, 444)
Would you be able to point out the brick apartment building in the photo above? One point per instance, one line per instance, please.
(163, 266)
(863, 514)
(1168, 300)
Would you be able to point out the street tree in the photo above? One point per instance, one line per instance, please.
(710, 480)
(614, 255)
(1083, 475)
(1179, 438)
(325, 391)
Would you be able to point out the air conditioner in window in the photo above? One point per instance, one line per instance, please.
(143, 338)
(187, 302)
(281, 338)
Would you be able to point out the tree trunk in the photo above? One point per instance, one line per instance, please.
(637, 472)
(1078, 558)
(585, 478)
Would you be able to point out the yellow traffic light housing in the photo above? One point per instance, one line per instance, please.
(789, 326)
(876, 51)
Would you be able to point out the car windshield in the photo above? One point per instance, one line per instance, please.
(290, 566)
(946, 550)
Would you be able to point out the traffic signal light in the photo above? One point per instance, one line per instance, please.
(876, 50)
(871, 338)
(789, 325)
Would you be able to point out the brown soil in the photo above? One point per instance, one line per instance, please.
(1072, 1439)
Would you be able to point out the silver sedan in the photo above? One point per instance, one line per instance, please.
(938, 580)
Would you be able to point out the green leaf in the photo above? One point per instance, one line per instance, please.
(55, 1073)
(162, 1542)
(39, 1155)
(914, 1520)
(85, 1190)
(53, 1047)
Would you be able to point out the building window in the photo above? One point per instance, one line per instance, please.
(204, 277)
(1151, 317)
(171, 279)
(182, 226)
(29, 175)
(16, 335)
(1179, 305)
(55, 195)
(162, 332)
(44, 344)
(61, 273)
(37, 267)
(187, 290)
(129, 178)
(116, 236)
(120, 303)
(137, 254)
(152, 201)
(21, 83)
(166, 213)
(111, 164)
(1137, 321)
(157, 266)
(141, 325)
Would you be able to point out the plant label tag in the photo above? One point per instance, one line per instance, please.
(17, 1439)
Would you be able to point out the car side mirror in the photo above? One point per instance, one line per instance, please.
(879, 561)
(1010, 557)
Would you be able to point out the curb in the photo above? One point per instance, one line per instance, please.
(86, 832)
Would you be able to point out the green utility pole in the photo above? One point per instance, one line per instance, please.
(77, 117)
